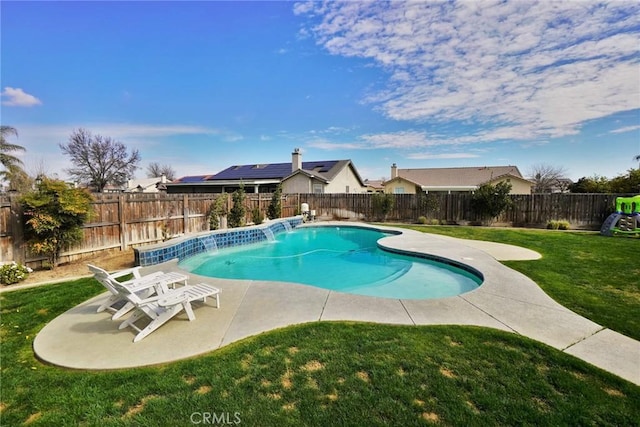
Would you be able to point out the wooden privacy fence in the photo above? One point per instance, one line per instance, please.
(123, 221)
(583, 211)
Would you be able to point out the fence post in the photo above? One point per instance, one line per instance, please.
(123, 222)
(16, 230)
(185, 213)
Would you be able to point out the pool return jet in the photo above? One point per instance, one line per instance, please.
(625, 220)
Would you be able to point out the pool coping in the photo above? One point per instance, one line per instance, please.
(83, 339)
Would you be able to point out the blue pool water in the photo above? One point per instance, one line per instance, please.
(345, 259)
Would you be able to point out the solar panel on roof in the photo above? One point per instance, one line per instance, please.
(193, 178)
(266, 171)
(274, 170)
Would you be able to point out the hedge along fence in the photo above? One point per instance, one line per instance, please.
(123, 221)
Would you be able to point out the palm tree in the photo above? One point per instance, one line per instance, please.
(7, 160)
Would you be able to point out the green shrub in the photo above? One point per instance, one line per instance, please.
(54, 214)
(218, 209)
(13, 273)
(489, 201)
(237, 212)
(426, 203)
(435, 222)
(558, 224)
(382, 204)
(422, 220)
(275, 206)
(256, 216)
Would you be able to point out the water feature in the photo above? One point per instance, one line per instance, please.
(269, 234)
(209, 243)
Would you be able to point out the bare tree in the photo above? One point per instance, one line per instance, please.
(99, 160)
(546, 177)
(155, 169)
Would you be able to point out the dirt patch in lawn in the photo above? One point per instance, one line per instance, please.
(110, 261)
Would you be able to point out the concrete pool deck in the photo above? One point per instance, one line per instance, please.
(83, 339)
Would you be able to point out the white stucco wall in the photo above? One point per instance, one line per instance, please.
(346, 178)
(517, 186)
(394, 186)
(299, 183)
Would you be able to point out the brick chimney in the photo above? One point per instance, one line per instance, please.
(394, 171)
(296, 160)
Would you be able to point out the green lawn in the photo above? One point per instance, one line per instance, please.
(340, 373)
(597, 277)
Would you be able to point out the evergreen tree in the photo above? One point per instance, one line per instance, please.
(237, 212)
(275, 207)
(218, 209)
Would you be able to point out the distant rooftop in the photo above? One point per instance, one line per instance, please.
(458, 176)
(264, 171)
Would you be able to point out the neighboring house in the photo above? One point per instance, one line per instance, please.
(326, 176)
(146, 185)
(374, 186)
(142, 185)
(561, 185)
(454, 180)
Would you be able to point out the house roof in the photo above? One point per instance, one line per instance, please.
(192, 179)
(274, 170)
(142, 184)
(325, 170)
(458, 177)
(374, 183)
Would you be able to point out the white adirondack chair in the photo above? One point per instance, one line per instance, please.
(162, 307)
(143, 286)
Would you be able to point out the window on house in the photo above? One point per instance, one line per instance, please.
(398, 190)
(346, 190)
(318, 189)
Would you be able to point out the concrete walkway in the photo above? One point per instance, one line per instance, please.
(507, 300)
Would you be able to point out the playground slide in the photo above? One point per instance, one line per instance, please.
(607, 226)
(626, 218)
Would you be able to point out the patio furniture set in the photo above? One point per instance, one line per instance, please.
(155, 298)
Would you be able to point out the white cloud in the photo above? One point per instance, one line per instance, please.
(128, 130)
(324, 144)
(522, 69)
(428, 156)
(625, 129)
(18, 98)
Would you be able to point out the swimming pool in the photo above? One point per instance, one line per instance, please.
(345, 259)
